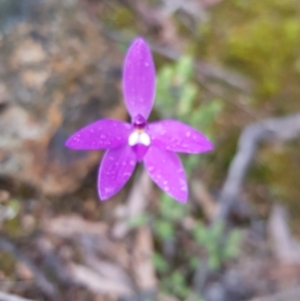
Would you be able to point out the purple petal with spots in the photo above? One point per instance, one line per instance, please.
(178, 137)
(167, 172)
(115, 170)
(102, 134)
(139, 79)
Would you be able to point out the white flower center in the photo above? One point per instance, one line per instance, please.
(139, 137)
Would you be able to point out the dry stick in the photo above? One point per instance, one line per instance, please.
(286, 248)
(52, 261)
(143, 268)
(46, 286)
(112, 278)
(9, 297)
(274, 129)
(287, 295)
(136, 204)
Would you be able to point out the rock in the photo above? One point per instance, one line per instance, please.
(57, 74)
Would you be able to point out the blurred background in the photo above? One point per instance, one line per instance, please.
(230, 68)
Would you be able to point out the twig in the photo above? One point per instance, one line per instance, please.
(290, 295)
(9, 297)
(286, 248)
(96, 283)
(137, 201)
(46, 286)
(200, 277)
(203, 198)
(107, 270)
(53, 262)
(142, 260)
(280, 129)
(209, 71)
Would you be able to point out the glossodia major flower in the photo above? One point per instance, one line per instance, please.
(154, 143)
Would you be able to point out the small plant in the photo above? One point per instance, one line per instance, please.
(178, 97)
(218, 248)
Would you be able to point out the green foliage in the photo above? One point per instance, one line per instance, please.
(165, 91)
(205, 116)
(170, 210)
(233, 243)
(170, 213)
(184, 70)
(160, 264)
(138, 221)
(186, 101)
(218, 248)
(176, 284)
(178, 96)
(194, 263)
(164, 229)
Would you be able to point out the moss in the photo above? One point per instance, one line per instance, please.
(7, 263)
(259, 38)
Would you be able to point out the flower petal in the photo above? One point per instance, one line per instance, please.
(139, 79)
(178, 137)
(102, 134)
(115, 170)
(166, 170)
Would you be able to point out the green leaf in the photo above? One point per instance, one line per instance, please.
(165, 230)
(214, 262)
(216, 231)
(179, 285)
(171, 209)
(191, 163)
(164, 98)
(194, 263)
(184, 69)
(187, 99)
(233, 244)
(160, 264)
(138, 221)
(200, 234)
(204, 117)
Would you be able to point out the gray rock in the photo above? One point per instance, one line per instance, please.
(57, 74)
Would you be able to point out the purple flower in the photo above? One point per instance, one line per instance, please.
(154, 143)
